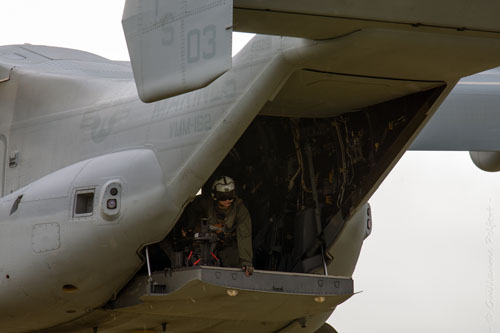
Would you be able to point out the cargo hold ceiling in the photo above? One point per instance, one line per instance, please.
(310, 93)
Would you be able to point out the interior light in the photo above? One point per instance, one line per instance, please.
(111, 204)
(232, 292)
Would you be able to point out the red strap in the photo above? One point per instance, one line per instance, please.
(196, 262)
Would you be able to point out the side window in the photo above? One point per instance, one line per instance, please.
(83, 203)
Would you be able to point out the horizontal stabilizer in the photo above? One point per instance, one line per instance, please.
(320, 19)
(177, 46)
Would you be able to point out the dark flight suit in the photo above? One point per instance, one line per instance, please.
(235, 222)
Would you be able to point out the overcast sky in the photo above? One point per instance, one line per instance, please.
(430, 264)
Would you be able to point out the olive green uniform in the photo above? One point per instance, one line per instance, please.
(236, 224)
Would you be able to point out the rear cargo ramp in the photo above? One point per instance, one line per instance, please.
(217, 299)
(265, 296)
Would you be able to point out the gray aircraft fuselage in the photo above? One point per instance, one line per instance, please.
(91, 174)
(74, 135)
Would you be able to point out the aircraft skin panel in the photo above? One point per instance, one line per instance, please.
(327, 19)
(265, 302)
(396, 54)
(47, 82)
(4, 72)
(46, 59)
(153, 323)
(325, 94)
(61, 227)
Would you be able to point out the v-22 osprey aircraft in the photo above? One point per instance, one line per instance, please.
(99, 159)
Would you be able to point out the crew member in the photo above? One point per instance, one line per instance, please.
(228, 217)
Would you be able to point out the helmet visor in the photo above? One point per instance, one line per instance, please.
(223, 196)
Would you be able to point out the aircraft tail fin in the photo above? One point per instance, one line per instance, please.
(177, 46)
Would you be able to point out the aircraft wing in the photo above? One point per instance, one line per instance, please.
(469, 119)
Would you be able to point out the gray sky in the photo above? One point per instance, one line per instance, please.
(93, 25)
(430, 264)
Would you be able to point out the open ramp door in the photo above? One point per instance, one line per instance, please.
(202, 298)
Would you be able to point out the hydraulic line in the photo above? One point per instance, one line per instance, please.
(317, 210)
(150, 278)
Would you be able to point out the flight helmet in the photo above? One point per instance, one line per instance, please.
(223, 188)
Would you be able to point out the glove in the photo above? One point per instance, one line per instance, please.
(248, 270)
